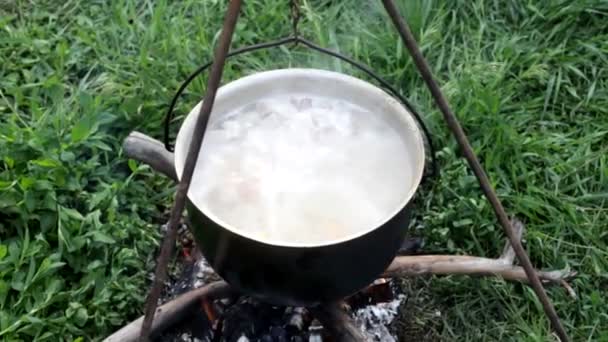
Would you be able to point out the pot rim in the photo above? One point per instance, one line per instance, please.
(277, 76)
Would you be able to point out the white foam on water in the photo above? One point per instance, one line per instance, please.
(301, 169)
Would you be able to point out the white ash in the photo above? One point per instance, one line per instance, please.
(301, 169)
(373, 320)
(204, 274)
(315, 330)
(296, 318)
(187, 337)
(315, 338)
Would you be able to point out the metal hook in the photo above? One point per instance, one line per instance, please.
(295, 17)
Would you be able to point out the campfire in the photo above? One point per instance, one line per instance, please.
(367, 315)
(241, 318)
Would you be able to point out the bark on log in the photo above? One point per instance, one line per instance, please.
(171, 312)
(334, 317)
(416, 265)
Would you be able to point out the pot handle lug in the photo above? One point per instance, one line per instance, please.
(150, 151)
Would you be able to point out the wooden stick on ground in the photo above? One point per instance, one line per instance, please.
(334, 317)
(171, 312)
(416, 265)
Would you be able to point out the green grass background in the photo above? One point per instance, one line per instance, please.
(79, 222)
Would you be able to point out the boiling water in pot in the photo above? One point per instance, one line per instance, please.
(301, 170)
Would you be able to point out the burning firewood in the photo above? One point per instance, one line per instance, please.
(173, 311)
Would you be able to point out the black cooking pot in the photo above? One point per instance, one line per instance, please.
(285, 272)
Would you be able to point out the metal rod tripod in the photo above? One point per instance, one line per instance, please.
(409, 41)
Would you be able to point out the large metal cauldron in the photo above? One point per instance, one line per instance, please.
(294, 273)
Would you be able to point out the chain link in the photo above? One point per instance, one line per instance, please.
(295, 16)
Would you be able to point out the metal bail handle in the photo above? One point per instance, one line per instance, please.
(434, 170)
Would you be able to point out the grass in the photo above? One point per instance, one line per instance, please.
(79, 222)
